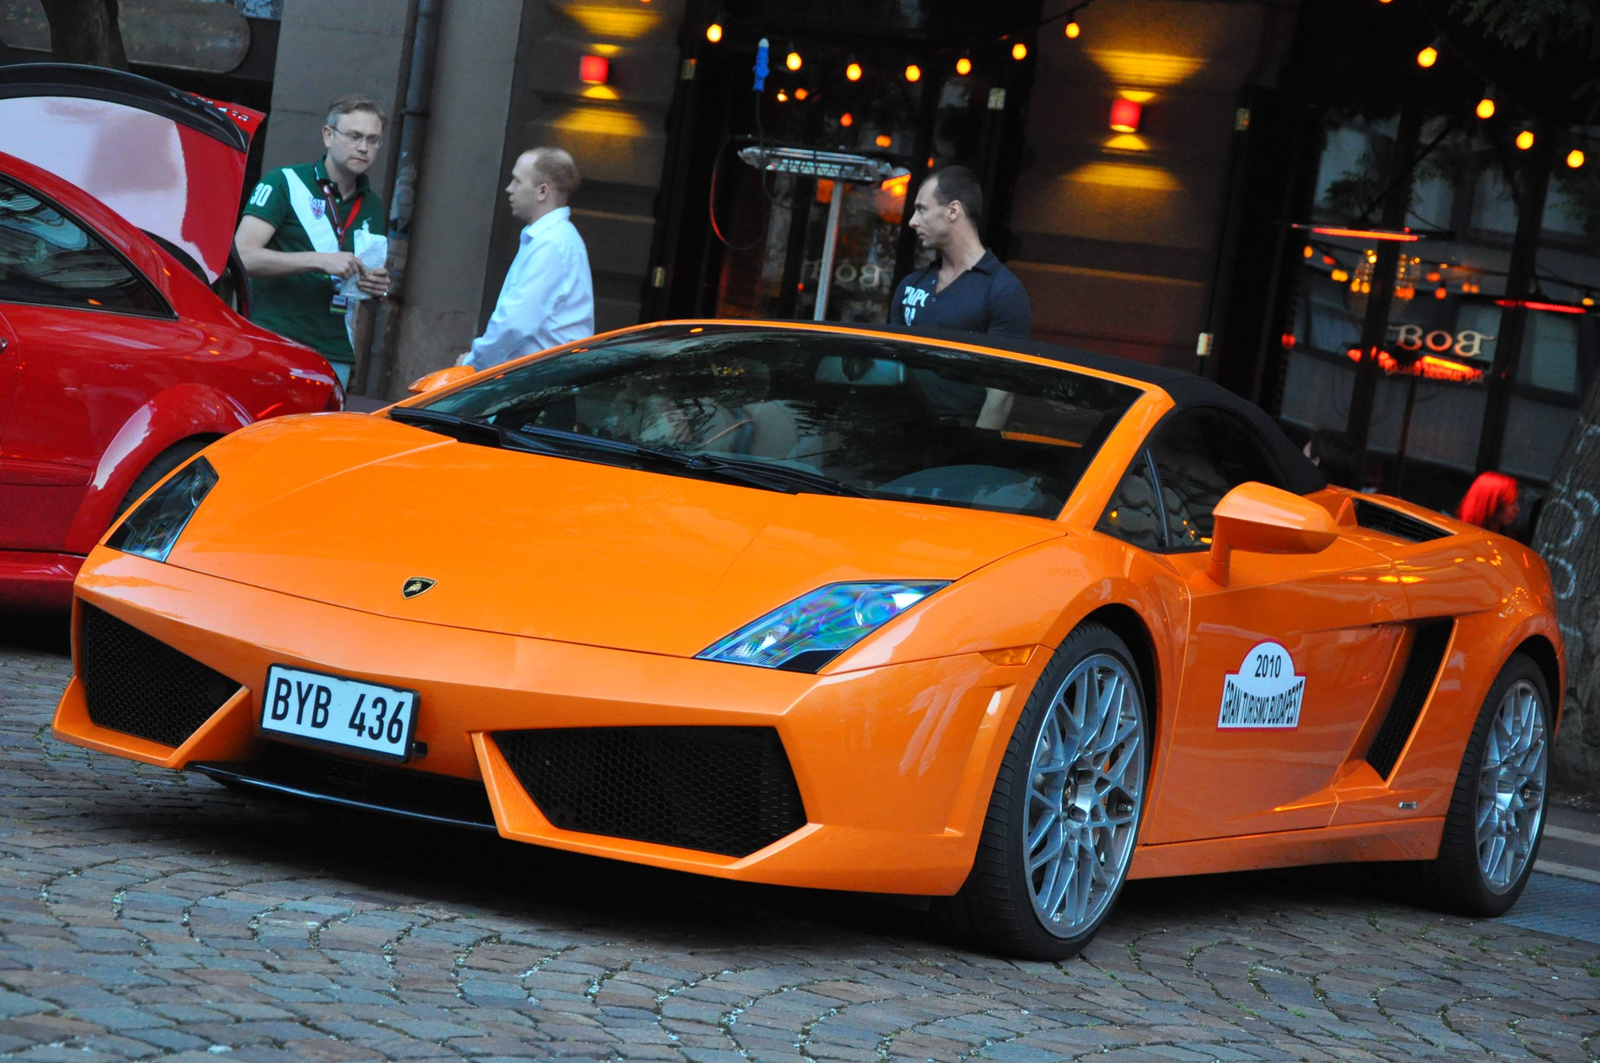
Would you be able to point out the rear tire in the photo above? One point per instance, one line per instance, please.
(1496, 818)
(162, 464)
(1065, 813)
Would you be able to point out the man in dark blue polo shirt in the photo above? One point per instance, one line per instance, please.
(966, 289)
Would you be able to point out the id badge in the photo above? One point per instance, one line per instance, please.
(339, 304)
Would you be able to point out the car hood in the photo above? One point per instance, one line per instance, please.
(170, 162)
(346, 509)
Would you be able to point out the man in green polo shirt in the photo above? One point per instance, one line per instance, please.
(297, 234)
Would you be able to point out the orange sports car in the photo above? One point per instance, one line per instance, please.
(838, 607)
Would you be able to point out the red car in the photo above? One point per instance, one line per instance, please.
(118, 359)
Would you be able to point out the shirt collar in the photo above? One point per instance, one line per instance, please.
(987, 264)
(319, 175)
(548, 221)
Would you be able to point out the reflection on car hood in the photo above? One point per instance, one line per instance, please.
(345, 509)
(170, 162)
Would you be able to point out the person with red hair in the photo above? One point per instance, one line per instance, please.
(1491, 502)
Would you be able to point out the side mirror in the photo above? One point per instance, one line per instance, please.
(440, 378)
(1265, 520)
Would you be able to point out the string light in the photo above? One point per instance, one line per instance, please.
(1525, 139)
(1486, 105)
(1073, 29)
(801, 93)
(783, 97)
(714, 32)
(883, 140)
(963, 66)
(913, 72)
(853, 71)
(792, 61)
(847, 119)
(1574, 158)
(1428, 56)
(1019, 51)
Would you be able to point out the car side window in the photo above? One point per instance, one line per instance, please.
(1200, 455)
(1134, 512)
(48, 258)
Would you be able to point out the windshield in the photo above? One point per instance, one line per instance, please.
(871, 415)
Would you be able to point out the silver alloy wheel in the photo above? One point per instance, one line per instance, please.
(1511, 786)
(1086, 787)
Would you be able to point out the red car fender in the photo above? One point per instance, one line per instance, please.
(178, 413)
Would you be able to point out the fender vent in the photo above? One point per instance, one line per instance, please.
(139, 685)
(1378, 518)
(1422, 666)
(722, 790)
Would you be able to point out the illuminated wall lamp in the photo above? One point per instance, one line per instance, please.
(1125, 115)
(594, 69)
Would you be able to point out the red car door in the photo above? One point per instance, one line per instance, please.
(8, 370)
(91, 340)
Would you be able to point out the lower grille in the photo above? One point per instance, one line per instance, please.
(725, 790)
(139, 685)
(316, 776)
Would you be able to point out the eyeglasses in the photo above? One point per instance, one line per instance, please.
(355, 140)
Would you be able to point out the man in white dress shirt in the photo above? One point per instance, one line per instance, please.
(548, 296)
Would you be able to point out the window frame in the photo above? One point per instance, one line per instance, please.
(1161, 505)
(163, 310)
(1154, 471)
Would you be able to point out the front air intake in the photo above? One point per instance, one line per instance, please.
(139, 685)
(725, 790)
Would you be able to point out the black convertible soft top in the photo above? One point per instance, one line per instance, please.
(1300, 474)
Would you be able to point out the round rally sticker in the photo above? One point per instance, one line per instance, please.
(1264, 692)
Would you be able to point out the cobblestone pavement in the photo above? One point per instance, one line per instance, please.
(145, 913)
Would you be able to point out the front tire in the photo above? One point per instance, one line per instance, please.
(1496, 818)
(1064, 817)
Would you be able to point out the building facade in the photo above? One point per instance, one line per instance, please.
(1273, 193)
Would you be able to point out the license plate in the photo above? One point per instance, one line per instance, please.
(312, 706)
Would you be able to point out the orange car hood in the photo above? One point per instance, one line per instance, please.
(345, 509)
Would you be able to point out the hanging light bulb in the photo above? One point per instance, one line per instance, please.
(847, 119)
(1525, 139)
(853, 71)
(1574, 158)
(963, 66)
(1428, 56)
(1019, 51)
(792, 61)
(1486, 105)
(801, 93)
(714, 32)
(1073, 29)
(913, 72)
(783, 97)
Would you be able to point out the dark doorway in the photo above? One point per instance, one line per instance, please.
(917, 84)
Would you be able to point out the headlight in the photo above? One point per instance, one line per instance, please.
(152, 529)
(815, 628)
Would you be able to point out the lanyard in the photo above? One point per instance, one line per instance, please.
(333, 213)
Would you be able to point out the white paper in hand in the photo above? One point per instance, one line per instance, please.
(373, 251)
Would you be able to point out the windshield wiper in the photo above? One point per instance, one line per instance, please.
(555, 442)
(754, 470)
(467, 430)
(744, 470)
